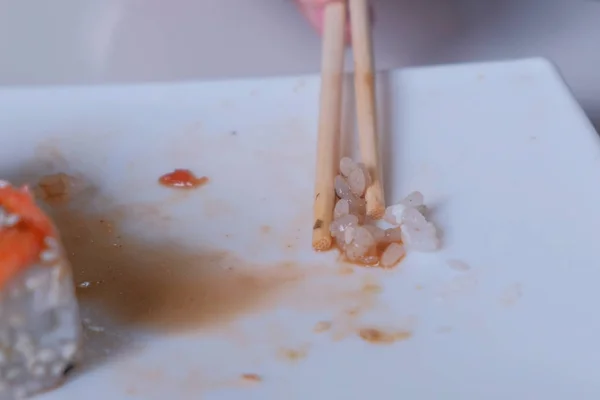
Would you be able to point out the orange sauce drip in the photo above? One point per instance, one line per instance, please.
(182, 179)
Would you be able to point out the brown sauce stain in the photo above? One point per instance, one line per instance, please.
(293, 355)
(359, 303)
(265, 229)
(187, 291)
(54, 188)
(377, 336)
(162, 284)
(49, 155)
(58, 188)
(153, 215)
(372, 288)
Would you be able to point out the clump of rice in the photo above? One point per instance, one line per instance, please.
(360, 239)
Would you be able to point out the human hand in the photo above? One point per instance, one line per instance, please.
(313, 10)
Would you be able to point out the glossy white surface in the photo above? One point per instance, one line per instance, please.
(495, 148)
(89, 41)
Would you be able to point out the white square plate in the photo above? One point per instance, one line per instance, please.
(188, 291)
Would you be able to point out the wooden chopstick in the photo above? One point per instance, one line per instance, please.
(332, 71)
(364, 86)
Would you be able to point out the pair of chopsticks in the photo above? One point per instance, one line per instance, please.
(332, 73)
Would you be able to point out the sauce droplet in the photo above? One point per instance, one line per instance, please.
(377, 336)
(182, 179)
(251, 378)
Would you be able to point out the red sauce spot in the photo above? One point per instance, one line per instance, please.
(182, 179)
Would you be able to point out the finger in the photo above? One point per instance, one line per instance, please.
(313, 10)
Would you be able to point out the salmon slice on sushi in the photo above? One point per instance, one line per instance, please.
(40, 328)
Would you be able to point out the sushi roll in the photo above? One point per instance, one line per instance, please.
(40, 328)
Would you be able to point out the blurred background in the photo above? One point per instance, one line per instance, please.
(101, 41)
